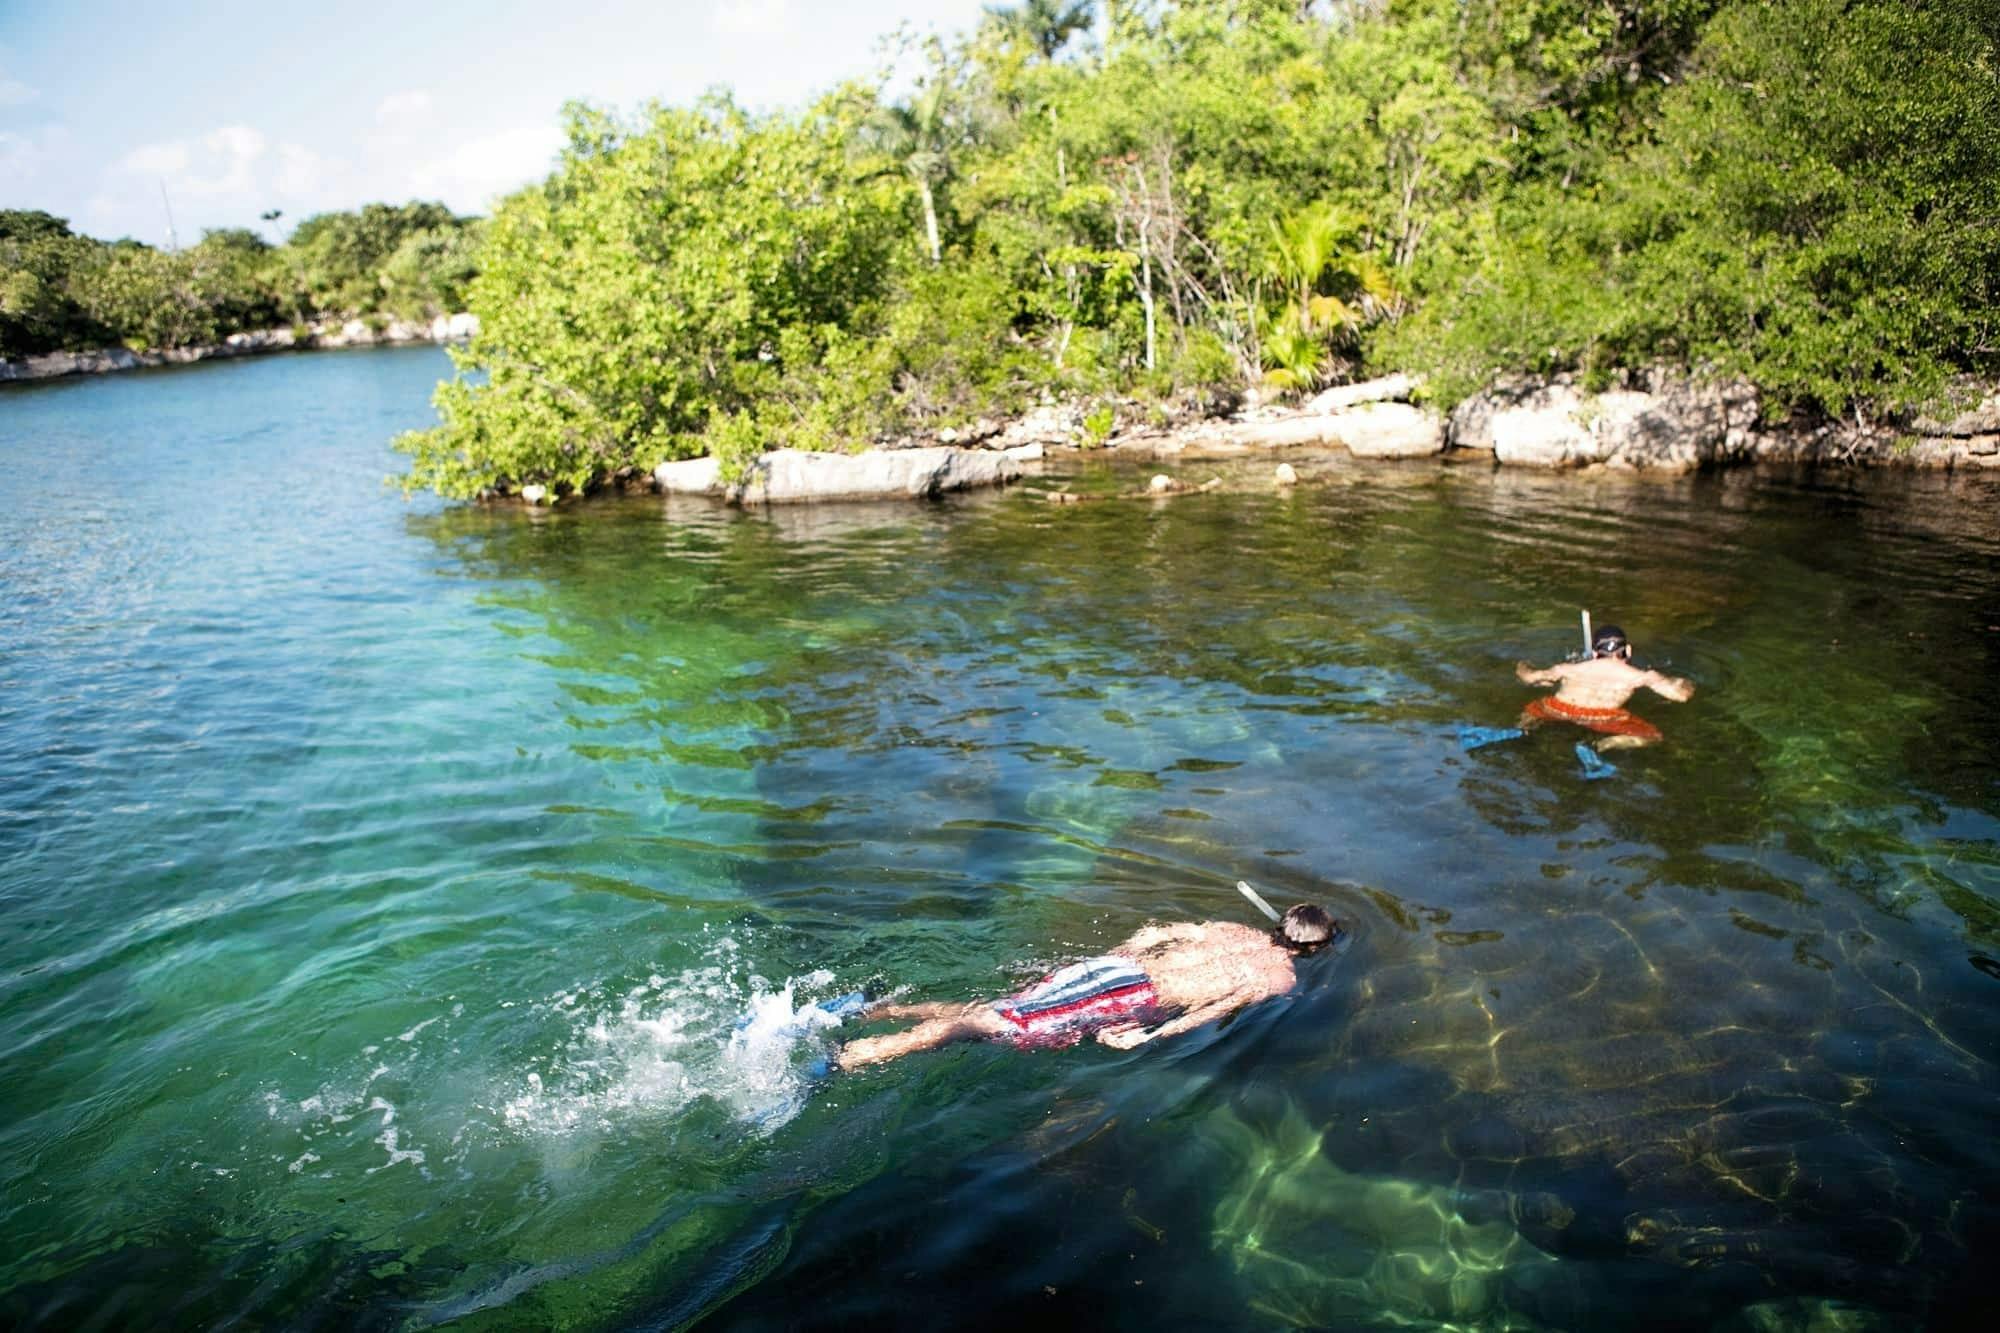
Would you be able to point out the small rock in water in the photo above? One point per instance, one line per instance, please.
(534, 495)
(1287, 475)
(1160, 484)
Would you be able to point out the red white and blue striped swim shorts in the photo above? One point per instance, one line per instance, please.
(1072, 1002)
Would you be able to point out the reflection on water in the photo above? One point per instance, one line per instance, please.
(405, 911)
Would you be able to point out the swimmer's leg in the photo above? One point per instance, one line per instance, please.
(923, 1011)
(977, 1023)
(1594, 764)
(1625, 743)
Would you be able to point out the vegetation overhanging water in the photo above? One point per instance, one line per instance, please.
(382, 886)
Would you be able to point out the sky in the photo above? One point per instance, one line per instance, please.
(121, 116)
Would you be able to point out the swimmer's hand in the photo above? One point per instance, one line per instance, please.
(1123, 1037)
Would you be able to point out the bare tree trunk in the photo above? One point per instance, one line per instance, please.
(930, 218)
(1146, 285)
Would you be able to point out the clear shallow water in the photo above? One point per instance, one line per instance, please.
(382, 886)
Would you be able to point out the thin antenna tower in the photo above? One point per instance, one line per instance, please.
(173, 241)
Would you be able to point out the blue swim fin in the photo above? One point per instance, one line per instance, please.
(1471, 737)
(843, 1006)
(1595, 765)
(812, 1017)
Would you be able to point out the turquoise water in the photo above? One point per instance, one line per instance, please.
(382, 886)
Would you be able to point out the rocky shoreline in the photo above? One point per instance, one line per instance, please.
(1654, 422)
(351, 333)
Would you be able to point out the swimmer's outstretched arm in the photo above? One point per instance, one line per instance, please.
(1678, 688)
(1532, 675)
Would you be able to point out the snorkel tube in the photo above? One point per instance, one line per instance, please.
(1589, 644)
(1257, 901)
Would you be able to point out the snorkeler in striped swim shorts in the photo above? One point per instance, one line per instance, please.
(1073, 1002)
(1162, 981)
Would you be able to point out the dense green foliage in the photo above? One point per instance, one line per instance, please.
(1814, 203)
(1145, 201)
(63, 291)
(1136, 205)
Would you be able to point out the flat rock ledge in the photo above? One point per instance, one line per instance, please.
(1366, 430)
(1664, 423)
(1654, 421)
(352, 333)
(798, 476)
(1370, 420)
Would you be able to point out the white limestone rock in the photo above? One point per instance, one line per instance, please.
(795, 476)
(1390, 430)
(1660, 423)
(1395, 388)
(1049, 424)
(1982, 420)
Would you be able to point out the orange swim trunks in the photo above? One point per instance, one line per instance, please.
(1610, 721)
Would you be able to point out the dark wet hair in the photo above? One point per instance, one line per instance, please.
(1305, 927)
(1610, 641)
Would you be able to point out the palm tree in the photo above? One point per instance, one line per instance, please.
(1303, 247)
(1309, 252)
(921, 135)
(1047, 25)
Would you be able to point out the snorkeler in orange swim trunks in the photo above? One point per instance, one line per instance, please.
(1592, 693)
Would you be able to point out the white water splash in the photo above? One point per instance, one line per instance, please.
(610, 1058)
(654, 1049)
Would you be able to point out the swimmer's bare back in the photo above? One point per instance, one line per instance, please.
(1205, 970)
(1603, 682)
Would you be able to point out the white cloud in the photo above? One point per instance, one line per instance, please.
(23, 155)
(471, 175)
(301, 173)
(156, 159)
(239, 143)
(227, 164)
(13, 92)
(752, 18)
(225, 177)
(413, 105)
(229, 176)
(223, 162)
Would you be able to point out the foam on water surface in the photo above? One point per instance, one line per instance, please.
(603, 1059)
(659, 1046)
